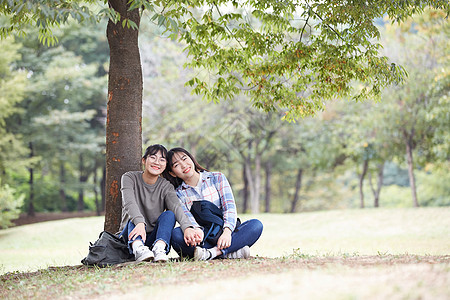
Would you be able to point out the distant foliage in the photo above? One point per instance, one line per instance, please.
(10, 205)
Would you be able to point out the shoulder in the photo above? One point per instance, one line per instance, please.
(164, 184)
(215, 176)
(131, 176)
(207, 174)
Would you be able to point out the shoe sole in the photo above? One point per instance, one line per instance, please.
(162, 260)
(146, 259)
(245, 253)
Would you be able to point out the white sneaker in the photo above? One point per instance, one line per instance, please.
(244, 253)
(142, 253)
(160, 254)
(202, 254)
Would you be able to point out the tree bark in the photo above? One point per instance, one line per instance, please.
(250, 181)
(376, 191)
(268, 186)
(124, 109)
(103, 189)
(410, 161)
(298, 186)
(361, 181)
(245, 189)
(97, 203)
(82, 180)
(257, 185)
(31, 211)
(62, 182)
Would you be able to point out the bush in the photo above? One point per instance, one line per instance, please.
(9, 206)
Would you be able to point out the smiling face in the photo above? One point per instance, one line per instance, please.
(183, 167)
(155, 164)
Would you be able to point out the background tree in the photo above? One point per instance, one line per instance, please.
(12, 89)
(12, 86)
(408, 106)
(303, 62)
(57, 80)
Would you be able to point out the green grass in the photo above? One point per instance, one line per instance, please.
(55, 243)
(348, 254)
(423, 231)
(367, 232)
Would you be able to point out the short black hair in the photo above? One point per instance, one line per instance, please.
(153, 149)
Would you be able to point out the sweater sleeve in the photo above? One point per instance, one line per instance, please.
(173, 204)
(129, 201)
(187, 212)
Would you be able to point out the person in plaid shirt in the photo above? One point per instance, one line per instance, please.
(193, 183)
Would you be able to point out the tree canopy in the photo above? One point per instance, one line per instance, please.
(288, 56)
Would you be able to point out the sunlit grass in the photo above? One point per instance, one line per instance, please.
(366, 232)
(54, 243)
(423, 231)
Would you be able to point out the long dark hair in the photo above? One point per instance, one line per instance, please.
(175, 180)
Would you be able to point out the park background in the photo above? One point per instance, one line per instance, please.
(388, 156)
(387, 153)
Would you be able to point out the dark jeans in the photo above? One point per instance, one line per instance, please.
(162, 231)
(245, 235)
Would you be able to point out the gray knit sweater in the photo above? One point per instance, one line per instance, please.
(142, 202)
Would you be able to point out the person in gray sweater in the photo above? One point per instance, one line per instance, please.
(150, 208)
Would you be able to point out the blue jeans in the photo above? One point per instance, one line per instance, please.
(245, 235)
(161, 232)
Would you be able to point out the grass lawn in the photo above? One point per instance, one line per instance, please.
(345, 254)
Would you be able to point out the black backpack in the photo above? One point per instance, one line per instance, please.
(108, 250)
(208, 215)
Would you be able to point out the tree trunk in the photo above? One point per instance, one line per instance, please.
(62, 182)
(268, 186)
(124, 109)
(82, 180)
(410, 161)
(376, 191)
(31, 211)
(103, 189)
(245, 189)
(97, 204)
(361, 181)
(251, 183)
(254, 204)
(298, 186)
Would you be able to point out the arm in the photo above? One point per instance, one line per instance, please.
(187, 212)
(130, 207)
(228, 208)
(226, 200)
(129, 201)
(193, 234)
(182, 215)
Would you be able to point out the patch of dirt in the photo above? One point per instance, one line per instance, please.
(235, 267)
(24, 219)
(356, 277)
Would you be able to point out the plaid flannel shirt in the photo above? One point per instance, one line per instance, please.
(215, 188)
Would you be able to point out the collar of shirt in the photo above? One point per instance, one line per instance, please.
(203, 176)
